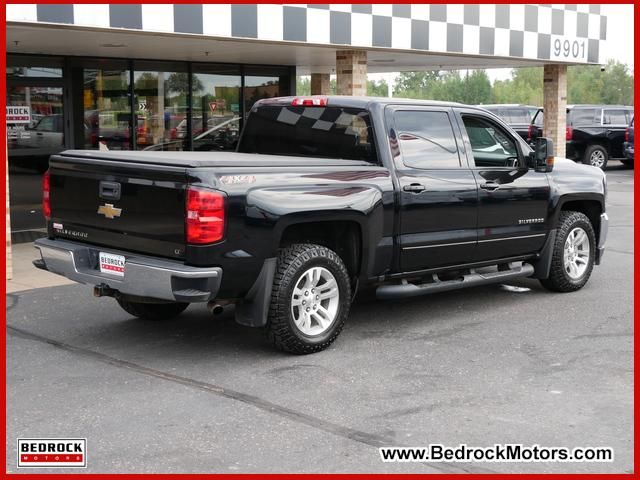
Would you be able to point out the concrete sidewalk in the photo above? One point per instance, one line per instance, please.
(25, 275)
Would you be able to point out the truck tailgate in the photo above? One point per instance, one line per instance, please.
(119, 204)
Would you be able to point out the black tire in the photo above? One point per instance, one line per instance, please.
(627, 163)
(593, 152)
(559, 279)
(152, 311)
(293, 262)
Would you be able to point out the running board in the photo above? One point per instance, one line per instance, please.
(471, 279)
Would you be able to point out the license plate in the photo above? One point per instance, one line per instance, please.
(112, 264)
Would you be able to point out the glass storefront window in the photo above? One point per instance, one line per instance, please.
(216, 111)
(35, 130)
(257, 88)
(161, 107)
(34, 121)
(265, 82)
(107, 112)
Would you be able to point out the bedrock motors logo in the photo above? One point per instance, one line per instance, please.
(52, 452)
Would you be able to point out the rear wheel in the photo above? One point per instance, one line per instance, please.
(596, 156)
(152, 311)
(573, 253)
(310, 299)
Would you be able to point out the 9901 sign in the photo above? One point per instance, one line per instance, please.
(569, 49)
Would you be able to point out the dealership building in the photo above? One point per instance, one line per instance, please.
(183, 77)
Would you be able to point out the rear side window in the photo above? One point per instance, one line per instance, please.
(615, 117)
(426, 139)
(498, 112)
(518, 115)
(324, 132)
(583, 116)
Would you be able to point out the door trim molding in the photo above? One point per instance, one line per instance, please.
(438, 245)
(513, 238)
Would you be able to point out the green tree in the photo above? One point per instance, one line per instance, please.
(303, 85)
(473, 88)
(617, 84)
(415, 84)
(377, 88)
(524, 86)
(477, 88)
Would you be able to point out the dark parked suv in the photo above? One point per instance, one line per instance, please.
(595, 133)
(516, 116)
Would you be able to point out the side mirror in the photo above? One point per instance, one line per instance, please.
(542, 155)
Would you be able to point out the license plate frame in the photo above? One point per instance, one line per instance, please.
(112, 264)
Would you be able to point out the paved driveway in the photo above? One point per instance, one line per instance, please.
(203, 394)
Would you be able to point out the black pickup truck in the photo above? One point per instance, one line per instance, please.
(324, 195)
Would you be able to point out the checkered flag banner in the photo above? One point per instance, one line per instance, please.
(542, 32)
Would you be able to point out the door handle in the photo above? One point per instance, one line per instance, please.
(414, 187)
(490, 186)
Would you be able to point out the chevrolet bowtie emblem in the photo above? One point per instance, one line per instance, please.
(109, 211)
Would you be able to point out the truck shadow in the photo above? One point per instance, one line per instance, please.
(198, 336)
(197, 333)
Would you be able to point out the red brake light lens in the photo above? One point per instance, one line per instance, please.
(530, 132)
(204, 216)
(315, 101)
(627, 135)
(569, 133)
(46, 195)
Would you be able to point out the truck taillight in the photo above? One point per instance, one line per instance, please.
(530, 133)
(313, 101)
(204, 216)
(627, 135)
(569, 134)
(46, 195)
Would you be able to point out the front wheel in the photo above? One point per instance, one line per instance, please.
(152, 311)
(310, 299)
(596, 156)
(573, 253)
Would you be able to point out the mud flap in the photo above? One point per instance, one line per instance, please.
(252, 311)
(542, 266)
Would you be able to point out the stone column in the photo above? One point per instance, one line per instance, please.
(555, 106)
(351, 72)
(9, 264)
(320, 84)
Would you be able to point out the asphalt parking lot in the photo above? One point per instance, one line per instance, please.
(203, 394)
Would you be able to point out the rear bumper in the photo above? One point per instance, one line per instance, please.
(602, 238)
(146, 277)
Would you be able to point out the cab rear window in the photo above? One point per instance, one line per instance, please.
(317, 131)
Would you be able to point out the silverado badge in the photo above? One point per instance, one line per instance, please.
(109, 211)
